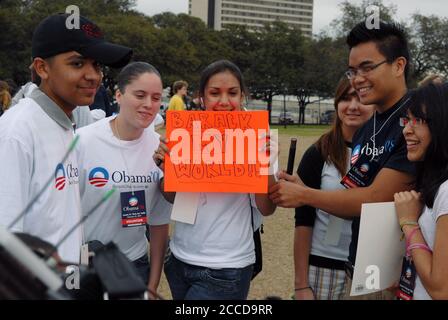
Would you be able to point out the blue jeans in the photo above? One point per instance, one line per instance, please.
(142, 266)
(188, 282)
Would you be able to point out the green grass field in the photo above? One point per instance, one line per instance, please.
(302, 131)
(293, 130)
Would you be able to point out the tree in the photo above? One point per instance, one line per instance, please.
(243, 46)
(352, 14)
(277, 61)
(429, 45)
(189, 46)
(325, 63)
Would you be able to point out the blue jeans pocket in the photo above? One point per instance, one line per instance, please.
(225, 280)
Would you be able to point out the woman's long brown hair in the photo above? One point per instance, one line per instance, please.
(331, 145)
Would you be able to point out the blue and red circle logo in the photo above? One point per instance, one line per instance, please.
(133, 201)
(364, 168)
(59, 177)
(98, 177)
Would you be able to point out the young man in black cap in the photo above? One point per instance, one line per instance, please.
(378, 68)
(36, 135)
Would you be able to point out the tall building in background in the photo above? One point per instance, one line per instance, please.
(253, 13)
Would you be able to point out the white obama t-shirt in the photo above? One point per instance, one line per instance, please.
(107, 162)
(34, 137)
(222, 235)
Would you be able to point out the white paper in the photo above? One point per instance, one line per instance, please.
(85, 254)
(379, 249)
(185, 207)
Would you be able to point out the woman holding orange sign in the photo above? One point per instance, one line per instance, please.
(214, 257)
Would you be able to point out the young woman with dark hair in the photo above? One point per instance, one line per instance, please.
(213, 258)
(423, 212)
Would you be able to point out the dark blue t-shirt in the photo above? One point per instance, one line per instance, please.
(390, 149)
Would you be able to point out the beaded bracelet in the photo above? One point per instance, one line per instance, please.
(418, 246)
(408, 223)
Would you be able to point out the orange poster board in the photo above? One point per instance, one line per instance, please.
(216, 151)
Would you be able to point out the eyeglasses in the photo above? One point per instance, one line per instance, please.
(362, 70)
(414, 122)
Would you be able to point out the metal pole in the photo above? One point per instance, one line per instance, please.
(319, 108)
(284, 108)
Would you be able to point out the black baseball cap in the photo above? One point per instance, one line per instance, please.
(52, 37)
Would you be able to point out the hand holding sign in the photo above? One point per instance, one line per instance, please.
(270, 149)
(288, 192)
(159, 154)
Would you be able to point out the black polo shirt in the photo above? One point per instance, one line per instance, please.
(390, 149)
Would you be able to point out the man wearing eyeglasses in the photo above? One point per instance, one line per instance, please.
(378, 68)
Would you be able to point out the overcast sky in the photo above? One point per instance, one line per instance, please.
(324, 10)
